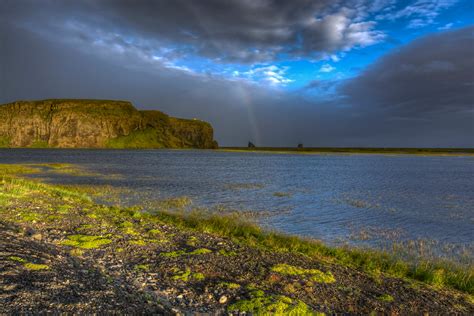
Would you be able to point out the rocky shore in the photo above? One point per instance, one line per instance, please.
(62, 252)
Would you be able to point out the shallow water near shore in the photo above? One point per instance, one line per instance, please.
(424, 203)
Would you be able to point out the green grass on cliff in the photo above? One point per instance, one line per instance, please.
(39, 144)
(148, 138)
(4, 142)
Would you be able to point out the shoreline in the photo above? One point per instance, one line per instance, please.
(467, 152)
(176, 262)
(353, 151)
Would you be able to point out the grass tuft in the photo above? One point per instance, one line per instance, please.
(86, 242)
(386, 298)
(440, 273)
(313, 274)
(261, 304)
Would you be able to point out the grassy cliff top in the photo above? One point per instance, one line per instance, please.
(92, 106)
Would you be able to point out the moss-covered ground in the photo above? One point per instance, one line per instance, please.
(62, 252)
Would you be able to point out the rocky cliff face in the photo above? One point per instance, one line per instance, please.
(97, 124)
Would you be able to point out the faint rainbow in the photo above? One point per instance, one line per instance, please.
(247, 102)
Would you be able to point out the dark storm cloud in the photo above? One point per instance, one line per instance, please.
(234, 30)
(420, 95)
(430, 76)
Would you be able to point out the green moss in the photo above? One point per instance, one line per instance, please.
(191, 241)
(174, 254)
(154, 232)
(226, 253)
(35, 267)
(260, 304)
(198, 276)
(229, 285)
(138, 242)
(313, 274)
(86, 242)
(76, 252)
(29, 216)
(17, 259)
(127, 228)
(200, 251)
(385, 298)
(142, 267)
(86, 227)
(29, 265)
(187, 275)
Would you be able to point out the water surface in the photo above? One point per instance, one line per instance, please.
(357, 199)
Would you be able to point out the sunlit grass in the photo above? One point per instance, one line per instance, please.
(435, 272)
(438, 273)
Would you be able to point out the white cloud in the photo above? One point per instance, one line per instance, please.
(326, 68)
(446, 26)
(269, 74)
(421, 12)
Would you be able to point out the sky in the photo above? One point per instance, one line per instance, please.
(353, 73)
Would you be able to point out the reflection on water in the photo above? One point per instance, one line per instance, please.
(355, 199)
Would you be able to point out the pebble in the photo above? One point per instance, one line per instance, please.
(223, 299)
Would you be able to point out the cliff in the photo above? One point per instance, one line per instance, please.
(97, 124)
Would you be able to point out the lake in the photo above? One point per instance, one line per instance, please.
(425, 203)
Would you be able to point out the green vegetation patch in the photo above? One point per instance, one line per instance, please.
(200, 251)
(385, 298)
(187, 275)
(5, 141)
(261, 304)
(148, 138)
(229, 285)
(17, 259)
(86, 242)
(35, 266)
(154, 232)
(314, 274)
(441, 273)
(29, 265)
(142, 267)
(174, 254)
(39, 144)
(138, 242)
(227, 253)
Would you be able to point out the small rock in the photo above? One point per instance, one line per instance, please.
(223, 299)
(180, 296)
(37, 236)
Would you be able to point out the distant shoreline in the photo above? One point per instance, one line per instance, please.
(355, 150)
